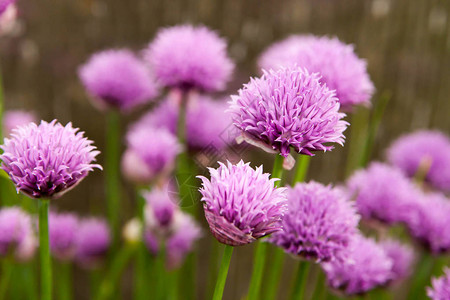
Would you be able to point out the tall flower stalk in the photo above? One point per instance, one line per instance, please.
(44, 251)
(223, 272)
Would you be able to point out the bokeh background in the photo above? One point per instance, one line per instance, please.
(406, 44)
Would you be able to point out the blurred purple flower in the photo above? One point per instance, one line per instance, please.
(15, 118)
(383, 193)
(402, 256)
(46, 160)
(160, 212)
(288, 108)
(206, 121)
(63, 229)
(341, 69)
(180, 243)
(4, 4)
(431, 225)
(16, 234)
(190, 57)
(440, 287)
(241, 203)
(424, 147)
(93, 241)
(151, 242)
(151, 153)
(117, 79)
(368, 267)
(319, 224)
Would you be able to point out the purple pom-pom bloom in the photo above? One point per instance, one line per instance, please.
(93, 241)
(319, 224)
(16, 234)
(431, 224)
(151, 152)
(190, 57)
(402, 256)
(117, 79)
(206, 121)
(46, 160)
(15, 118)
(288, 108)
(426, 149)
(368, 267)
(241, 203)
(337, 63)
(440, 287)
(383, 193)
(63, 229)
(4, 4)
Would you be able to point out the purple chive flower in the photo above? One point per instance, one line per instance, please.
(402, 256)
(93, 241)
(118, 79)
(424, 148)
(16, 234)
(46, 160)
(319, 224)
(63, 229)
(431, 224)
(160, 212)
(241, 203)
(4, 4)
(207, 123)
(440, 287)
(368, 267)
(383, 193)
(190, 57)
(341, 69)
(288, 108)
(15, 118)
(151, 153)
(180, 243)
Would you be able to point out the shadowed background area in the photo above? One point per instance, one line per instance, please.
(406, 44)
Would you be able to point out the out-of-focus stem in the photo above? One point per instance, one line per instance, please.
(302, 168)
(7, 269)
(65, 281)
(421, 277)
(274, 275)
(112, 165)
(300, 280)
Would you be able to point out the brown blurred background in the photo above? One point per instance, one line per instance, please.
(406, 44)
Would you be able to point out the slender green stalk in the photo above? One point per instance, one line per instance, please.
(95, 280)
(300, 280)
(274, 275)
(223, 272)
(161, 273)
(44, 251)
(65, 281)
(358, 136)
(172, 293)
(302, 168)
(258, 271)
(213, 268)
(112, 172)
(421, 277)
(261, 247)
(7, 269)
(319, 289)
(28, 280)
(112, 278)
(188, 273)
(375, 121)
(140, 280)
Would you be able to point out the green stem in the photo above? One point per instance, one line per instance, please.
(274, 275)
(112, 170)
(161, 273)
(7, 269)
(65, 281)
(422, 277)
(300, 280)
(223, 272)
(319, 289)
(111, 280)
(140, 280)
(302, 168)
(261, 247)
(44, 250)
(375, 121)
(172, 293)
(28, 279)
(188, 273)
(213, 268)
(358, 136)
